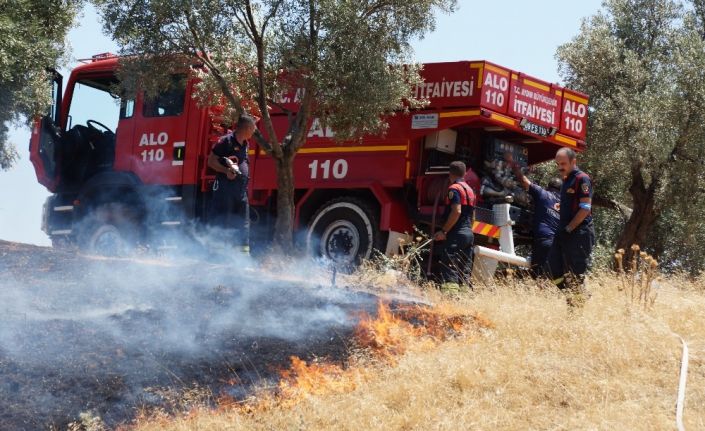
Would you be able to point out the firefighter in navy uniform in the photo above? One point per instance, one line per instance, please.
(546, 218)
(570, 255)
(456, 234)
(230, 206)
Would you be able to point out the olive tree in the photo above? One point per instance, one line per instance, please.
(32, 40)
(643, 64)
(348, 60)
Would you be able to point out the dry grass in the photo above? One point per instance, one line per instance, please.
(610, 366)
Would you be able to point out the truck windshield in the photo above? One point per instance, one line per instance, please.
(92, 100)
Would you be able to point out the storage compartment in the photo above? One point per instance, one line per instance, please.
(443, 141)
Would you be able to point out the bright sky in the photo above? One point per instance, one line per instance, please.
(519, 34)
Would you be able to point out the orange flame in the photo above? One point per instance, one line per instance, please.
(302, 380)
(386, 336)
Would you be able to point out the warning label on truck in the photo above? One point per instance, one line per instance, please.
(424, 121)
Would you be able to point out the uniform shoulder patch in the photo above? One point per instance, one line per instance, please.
(450, 194)
(585, 187)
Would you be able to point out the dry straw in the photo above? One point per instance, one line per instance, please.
(638, 281)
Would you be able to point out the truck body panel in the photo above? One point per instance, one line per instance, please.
(476, 111)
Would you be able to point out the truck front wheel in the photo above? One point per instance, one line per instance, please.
(343, 231)
(110, 230)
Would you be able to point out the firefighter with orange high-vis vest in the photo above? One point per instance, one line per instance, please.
(456, 234)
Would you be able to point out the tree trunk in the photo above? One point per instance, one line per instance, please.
(284, 226)
(644, 213)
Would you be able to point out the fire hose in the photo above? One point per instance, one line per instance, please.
(683, 376)
(433, 230)
(680, 401)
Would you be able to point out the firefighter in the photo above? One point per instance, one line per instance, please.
(230, 209)
(456, 234)
(570, 255)
(546, 217)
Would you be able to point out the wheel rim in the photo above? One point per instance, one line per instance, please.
(107, 241)
(340, 242)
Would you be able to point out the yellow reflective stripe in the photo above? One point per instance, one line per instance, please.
(352, 149)
(576, 98)
(515, 76)
(559, 93)
(480, 67)
(485, 230)
(537, 85)
(502, 118)
(250, 152)
(460, 113)
(408, 169)
(561, 138)
(497, 70)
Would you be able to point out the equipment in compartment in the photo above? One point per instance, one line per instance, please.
(498, 181)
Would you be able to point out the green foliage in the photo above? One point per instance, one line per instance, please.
(32, 39)
(347, 56)
(348, 62)
(643, 64)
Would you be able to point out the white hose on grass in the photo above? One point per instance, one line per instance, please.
(681, 385)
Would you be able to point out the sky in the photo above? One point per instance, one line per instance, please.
(519, 34)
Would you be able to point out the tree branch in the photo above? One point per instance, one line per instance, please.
(271, 15)
(605, 202)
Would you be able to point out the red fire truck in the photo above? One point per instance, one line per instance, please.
(126, 170)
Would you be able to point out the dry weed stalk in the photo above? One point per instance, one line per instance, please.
(637, 282)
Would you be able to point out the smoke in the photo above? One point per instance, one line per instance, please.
(75, 326)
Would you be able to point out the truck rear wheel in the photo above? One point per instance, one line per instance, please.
(111, 229)
(344, 231)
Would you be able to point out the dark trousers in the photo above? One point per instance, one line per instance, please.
(570, 257)
(456, 256)
(230, 209)
(539, 255)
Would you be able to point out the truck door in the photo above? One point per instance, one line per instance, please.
(44, 139)
(159, 141)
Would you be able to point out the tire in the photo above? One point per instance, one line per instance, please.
(344, 231)
(111, 229)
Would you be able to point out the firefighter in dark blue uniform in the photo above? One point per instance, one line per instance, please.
(546, 218)
(570, 255)
(456, 234)
(230, 208)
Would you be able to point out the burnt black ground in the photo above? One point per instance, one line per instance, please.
(82, 334)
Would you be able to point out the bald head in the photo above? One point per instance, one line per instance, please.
(566, 161)
(568, 152)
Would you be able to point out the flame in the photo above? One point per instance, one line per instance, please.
(315, 378)
(390, 333)
(387, 336)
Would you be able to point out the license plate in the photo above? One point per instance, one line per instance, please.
(530, 127)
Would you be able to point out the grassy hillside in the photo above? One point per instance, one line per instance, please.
(522, 362)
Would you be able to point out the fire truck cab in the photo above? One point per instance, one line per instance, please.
(123, 171)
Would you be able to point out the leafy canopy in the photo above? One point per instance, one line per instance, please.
(32, 39)
(348, 56)
(643, 64)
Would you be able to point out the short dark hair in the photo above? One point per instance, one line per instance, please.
(244, 120)
(568, 152)
(457, 168)
(555, 183)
